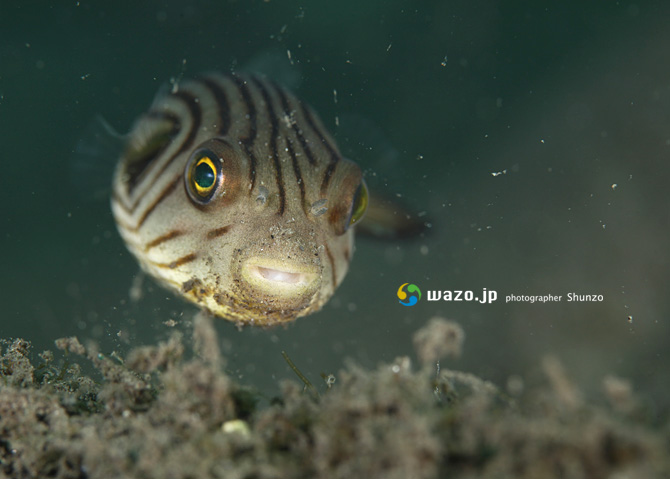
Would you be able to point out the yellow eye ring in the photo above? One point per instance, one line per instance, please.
(360, 204)
(204, 176)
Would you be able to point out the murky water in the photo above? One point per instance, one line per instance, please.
(535, 140)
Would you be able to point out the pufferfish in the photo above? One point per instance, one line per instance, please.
(230, 192)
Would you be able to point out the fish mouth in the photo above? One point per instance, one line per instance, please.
(280, 276)
(276, 276)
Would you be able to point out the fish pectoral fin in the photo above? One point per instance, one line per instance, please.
(94, 158)
(387, 219)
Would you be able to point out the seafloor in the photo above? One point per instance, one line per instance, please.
(163, 412)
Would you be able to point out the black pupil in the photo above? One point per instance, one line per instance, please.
(204, 175)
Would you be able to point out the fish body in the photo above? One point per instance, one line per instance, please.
(231, 192)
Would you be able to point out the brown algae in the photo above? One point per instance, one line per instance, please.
(161, 414)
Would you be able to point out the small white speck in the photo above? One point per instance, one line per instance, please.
(236, 427)
(334, 96)
(614, 185)
(542, 141)
(395, 368)
(444, 61)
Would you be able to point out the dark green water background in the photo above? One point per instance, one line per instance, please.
(569, 98)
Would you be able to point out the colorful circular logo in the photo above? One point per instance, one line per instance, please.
(413, 299)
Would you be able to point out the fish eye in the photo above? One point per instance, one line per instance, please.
(360, 204)
(203, 176)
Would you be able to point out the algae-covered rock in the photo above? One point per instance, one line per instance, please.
(161, 413)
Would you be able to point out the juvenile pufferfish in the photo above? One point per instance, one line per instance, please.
(231, 192)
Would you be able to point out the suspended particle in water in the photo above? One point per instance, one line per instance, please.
(329, 379)
(444, 61)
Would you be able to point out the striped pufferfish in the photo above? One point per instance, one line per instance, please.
(231, 192)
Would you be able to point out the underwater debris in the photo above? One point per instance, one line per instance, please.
(439, 339)
(162, 413)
